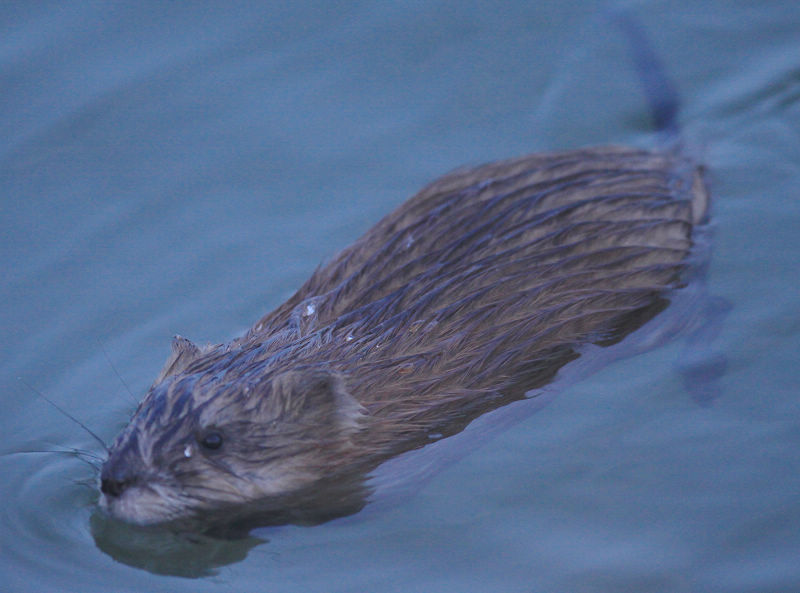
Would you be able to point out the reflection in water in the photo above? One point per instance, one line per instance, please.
(161, 551)
(703, 366)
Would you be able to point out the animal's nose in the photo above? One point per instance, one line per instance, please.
(115, 478)
(112, 487)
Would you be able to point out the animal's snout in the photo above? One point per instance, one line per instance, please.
(112, 487)
(115, 478)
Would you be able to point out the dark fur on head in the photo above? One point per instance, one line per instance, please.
(195, 440)
(475, 290)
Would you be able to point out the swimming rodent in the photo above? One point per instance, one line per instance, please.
(474, 291)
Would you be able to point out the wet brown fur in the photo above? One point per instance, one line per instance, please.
(477, 289)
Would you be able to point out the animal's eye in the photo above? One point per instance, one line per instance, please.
(211, 440)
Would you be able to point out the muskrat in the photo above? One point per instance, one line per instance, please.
(473, 292)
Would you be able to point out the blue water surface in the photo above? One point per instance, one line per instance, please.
(182, 168)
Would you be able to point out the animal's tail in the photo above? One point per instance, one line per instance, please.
(659, 90)
(664, 101)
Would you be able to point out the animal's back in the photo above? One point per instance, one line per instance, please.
(486, 281)
(507, 210)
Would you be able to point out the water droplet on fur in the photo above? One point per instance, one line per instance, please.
(310, 310)
(187, 452)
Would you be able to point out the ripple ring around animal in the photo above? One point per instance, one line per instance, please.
(476, 290)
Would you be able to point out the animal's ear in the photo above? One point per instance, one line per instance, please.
(314, 397)
(184, 352)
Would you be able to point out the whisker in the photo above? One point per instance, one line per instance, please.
(85, 456)
(116, 372)
(65, 413)
(78, 453)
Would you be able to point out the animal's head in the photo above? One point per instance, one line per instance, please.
(203, 440)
